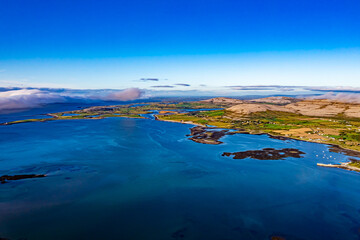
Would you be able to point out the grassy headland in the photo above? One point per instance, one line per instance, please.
(128, 111)
(335, 130)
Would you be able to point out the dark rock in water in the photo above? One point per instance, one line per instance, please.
(5, 178)
(347, 152)
(267, 154)
(204, 135)
(282, 138)
(353, 160)
(197, 130)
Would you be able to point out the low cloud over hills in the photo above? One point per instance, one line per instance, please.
(29, 98)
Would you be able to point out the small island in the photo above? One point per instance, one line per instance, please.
(266, 154)
(207, 135)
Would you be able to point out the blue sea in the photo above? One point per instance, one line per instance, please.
(121, 178)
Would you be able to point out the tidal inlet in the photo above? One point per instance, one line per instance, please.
(189, 120)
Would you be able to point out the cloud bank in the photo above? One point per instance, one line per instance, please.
(27, 98)
(265, 88)
(125, 95)
(335, 89)
(341, 97)
(13, 99)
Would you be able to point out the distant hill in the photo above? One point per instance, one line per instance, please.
(224, 100)
(247, 108)
(325, 108)
(272, 100)
(276, 100)
(318, 107)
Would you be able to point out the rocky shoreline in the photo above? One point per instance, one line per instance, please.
(201, 134)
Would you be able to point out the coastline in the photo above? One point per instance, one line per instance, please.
(345, 166)
(338, 149)
(58, 119)
(280, 137)
(333, 147)
(183, 122)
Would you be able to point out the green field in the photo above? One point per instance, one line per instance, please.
(338, 130)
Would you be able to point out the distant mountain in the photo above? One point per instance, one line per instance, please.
(309, 107)
(276, 100)
(224, 100)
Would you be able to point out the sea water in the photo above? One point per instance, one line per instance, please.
(123, 178)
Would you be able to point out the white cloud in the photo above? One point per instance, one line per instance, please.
(27, 98)
(125, 95)
(31, 98)
(335, 89)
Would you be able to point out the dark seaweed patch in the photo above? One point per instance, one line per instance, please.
(266, 154)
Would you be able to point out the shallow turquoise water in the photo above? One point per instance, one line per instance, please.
(123, 178)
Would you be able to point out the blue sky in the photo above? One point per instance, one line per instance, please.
(206, 44)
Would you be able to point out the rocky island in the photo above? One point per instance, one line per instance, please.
(207, 135)
(266, 154)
